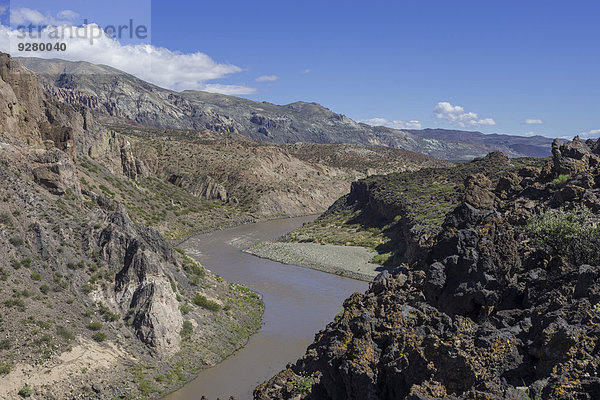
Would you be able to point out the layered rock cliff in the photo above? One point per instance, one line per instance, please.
(91, 303)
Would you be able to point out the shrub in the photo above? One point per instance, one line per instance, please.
(26, 391)
(567, 233)
(99, 336)
(304, 383)
(5, 344)
(6, 367)
(5, 219)
(202, 301)
(560, 181)
(36, 276)
(94, 326)
(185, 308)
(64, 333)
(44, 289)
(19, 304)
(186, 329)
(16, 241)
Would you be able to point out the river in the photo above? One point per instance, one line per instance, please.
(298, 303)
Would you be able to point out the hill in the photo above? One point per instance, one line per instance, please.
(122, 96)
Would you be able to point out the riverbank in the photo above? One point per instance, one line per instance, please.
(298, 303)
(348, 261)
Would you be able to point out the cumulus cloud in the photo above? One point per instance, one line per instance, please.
(412, 124)
(530, 121)
(306, 71)
(457, 115)
(69, 15)
(594, 133)
(158, 65)
(267, 78)
(23, 16)
(529, 134)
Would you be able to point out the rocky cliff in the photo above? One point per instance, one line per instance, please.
(504, 306)
(93, 305)
(400, 214)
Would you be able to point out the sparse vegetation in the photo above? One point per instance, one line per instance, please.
(572, 234)
(99, 336)
(202, 301)
(16, 241)
(304, 383)
(26, 391)
(64, 333)
(94, 326)
(186, 329)
(6, 367)
(560, 181)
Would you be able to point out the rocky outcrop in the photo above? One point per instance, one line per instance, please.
(55, 171)
(141, 261)
(488, 316)
(202, 186)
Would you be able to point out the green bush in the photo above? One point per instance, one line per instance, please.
(202, 301)
(186, 329)
(6, 367)
(64, 333)
(5, 344)
(16, 241)
(185, 308)
(560, 181)
(304, 383)
(568, 233)
(99, 336)
(5, 219)
(26, 391)
(36, 276)
(44, 289)
(94, 326)
(19, 304)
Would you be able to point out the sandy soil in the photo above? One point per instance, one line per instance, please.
(68, 371)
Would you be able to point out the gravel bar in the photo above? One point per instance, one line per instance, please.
(349, 261)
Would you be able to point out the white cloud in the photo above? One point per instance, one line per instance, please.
(267, 78)
(412, 124)
(228, 89)
(530, 121)
(457, 115)
(23, 16)
(158, 65)
(69, 15)
(529, 134)
(306, 71)
(594, 133)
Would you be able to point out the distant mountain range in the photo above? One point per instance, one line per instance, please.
(119, 95)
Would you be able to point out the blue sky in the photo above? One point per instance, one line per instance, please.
(435, 62)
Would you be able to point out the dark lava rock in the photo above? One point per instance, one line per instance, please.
(488, 317)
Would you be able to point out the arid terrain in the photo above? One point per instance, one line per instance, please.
(92, 288)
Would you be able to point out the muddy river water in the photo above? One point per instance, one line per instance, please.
(298, 303)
